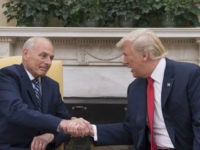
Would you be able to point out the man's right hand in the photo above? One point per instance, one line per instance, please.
(40, 142)
(77, 127)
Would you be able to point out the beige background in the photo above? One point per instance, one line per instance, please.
(3, 19)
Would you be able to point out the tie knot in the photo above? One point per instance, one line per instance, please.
(35, 81)
(150, 80)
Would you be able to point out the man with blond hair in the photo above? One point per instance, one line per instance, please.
(163, 109)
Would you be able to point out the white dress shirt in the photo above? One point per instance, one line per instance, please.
(159, 129)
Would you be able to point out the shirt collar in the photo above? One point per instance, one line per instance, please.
(31, 77)
(158, 72)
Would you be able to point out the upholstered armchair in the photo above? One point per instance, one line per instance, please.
(55, 72)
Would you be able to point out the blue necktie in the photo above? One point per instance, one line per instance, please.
(36, 88)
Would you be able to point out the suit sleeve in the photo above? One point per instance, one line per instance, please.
(113, 134)
(61, 112)
(194, 96)
(17, 112)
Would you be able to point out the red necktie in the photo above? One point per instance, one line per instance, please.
(150, 110)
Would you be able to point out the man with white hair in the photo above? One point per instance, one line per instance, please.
(32, 113)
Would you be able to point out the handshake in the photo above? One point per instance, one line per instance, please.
(77, 127)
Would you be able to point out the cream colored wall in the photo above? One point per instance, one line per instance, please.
(3, 19)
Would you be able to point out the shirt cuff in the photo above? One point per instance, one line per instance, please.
(94, 127)
(59, 129)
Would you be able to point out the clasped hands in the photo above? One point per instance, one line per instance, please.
(76, 127)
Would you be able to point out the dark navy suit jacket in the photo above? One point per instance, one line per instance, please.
(180, 100)
(20, 119)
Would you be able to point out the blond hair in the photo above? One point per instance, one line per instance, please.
(145, 40)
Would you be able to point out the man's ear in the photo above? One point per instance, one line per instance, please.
(25, 52)
(145, 56)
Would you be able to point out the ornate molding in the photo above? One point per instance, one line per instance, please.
(7, 39)
(75, 32)
(96, 46)
(179, 40)
(198, 42)
(103, 53)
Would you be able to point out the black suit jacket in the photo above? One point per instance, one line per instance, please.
(20, 119)
(180, 100)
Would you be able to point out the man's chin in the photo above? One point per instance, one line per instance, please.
(43, 74)
(134, 75)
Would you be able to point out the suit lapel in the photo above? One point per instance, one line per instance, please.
(139, 107)
(45, 94)
(139, 104)
(167, 82)
(27, 85)
(143, 103)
